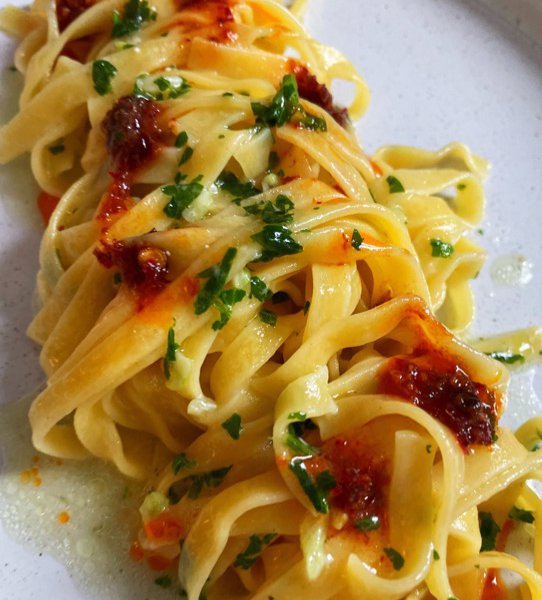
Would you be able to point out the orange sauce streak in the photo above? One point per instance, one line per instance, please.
(493, 587)
(63, 518)
(46, 205)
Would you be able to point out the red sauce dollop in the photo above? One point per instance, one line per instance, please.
(68, 10)
(493, 587)
(132, 132)
(438, 385)
(362, 478)
(317, 93)
(144, 268)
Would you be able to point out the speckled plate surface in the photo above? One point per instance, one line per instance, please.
(439, 70)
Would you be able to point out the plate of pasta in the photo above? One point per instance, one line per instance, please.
(283, 340)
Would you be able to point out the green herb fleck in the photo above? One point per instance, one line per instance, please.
(396, 559)
(370, 523)
(227, 94)
(429, 448)
(182, 195)
(256, 544)
(210, 479)
(276, 240)
(297, 416)
(172, 347)
(259, 289)
(298, 444)
(186, 155)
(357, 240)
(394, 184)
(508, 358)
(136, 12)
(181, 461)
(117, 278)
(436, 555)
(268, 317)
(103, 73)
(489, 531)
(229, 182)
(441, 249)
(181, 139)
(285, 107)
(317, 490)
(233, 426)
(461, 186)
(306, 307)
(520, 514)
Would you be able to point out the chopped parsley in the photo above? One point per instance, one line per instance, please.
(489, 530)
(172, 347)
(276, 240)
(520, 514)
(211, 479)
(103, 73)
(182, 195)
(397, 560)
(441, 249)
(181, 139)
(117, 278)
(227, 95)
(394, 184)
(259, 289)
(233, 426)
(165, 87)
(370, 523)
(317, 489)
(280, 297)
(357, 240)
(57, 148)
(268, 317)
(429, 448)
(136, 12)
(181, 461)
(461, 186)
(436, 555)
(213, 292)
(306, 307)
(229, 182)
(274, 161)
(256, 544)
(297, 443)
(186, 155)
(285, 107)
(508, 358)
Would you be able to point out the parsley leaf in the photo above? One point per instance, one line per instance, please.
(165, 87)
(357, 240)
(441, 249)
(213, 293)
(520, 514)
(181, 139)
(489, 531)
(396, 559)
(370, 523)
(268, 317)
(436, 555)
(298, 416)
(233, 426)
(182, 195)
(508, 358)
(306, 307)
(285, 107)
(211, 479)
(172, 347)
(256, 544)
(259, 289)
(279, 212)
(136, 12)
(186, 155)
(229, 182)
(297, 443)
(394, 184)
(316, 490)
(276, 240)
(103, 73)
(181, 461)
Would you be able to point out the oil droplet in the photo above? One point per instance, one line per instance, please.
(512, 269)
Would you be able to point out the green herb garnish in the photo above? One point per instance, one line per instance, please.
(181, 461)
(57, 148)
(259, 289)
(489, 531)
(441, 249)
(103, 73)
(276, 240)
(268, 317)
(298, 444)
(163, 581)
(229, 182)
(370, 523)
(210, 479)
(520, 514)
(181, 139)
(508, 358)
(186, 155)
(357, 240)
(317, 490)
(136, 12)
(394, 184)
(233, 426)
(172, 347)
(182, 195)
(396, 559)
(256, 544)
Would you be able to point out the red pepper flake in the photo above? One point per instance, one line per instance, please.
(136, 551)
(159, 563)
(317, 93)
(46, 205)
(493, 587)
(214, 15)
(116, 201)
(144, 268)
(164, 528)
(436, 383)
(63, 518)
(377, 170)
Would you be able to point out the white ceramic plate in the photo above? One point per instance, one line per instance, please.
(439, 70)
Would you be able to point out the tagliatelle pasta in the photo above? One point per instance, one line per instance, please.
(244, 311)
